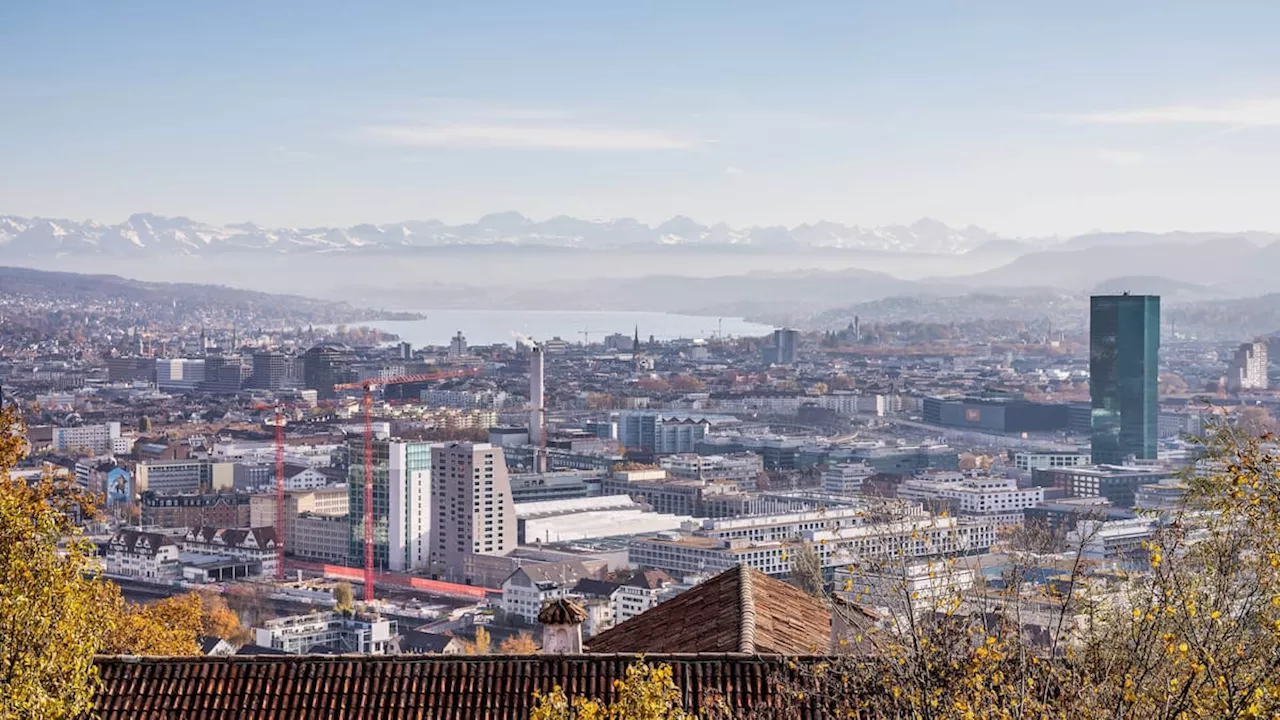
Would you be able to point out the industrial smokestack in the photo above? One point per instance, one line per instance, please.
(537, 403)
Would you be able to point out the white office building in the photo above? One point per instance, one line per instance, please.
(740, 469)
(918, 537)
(1248, 369)
(95, 439)
(331, 631)
(1044, 461)
(994, 498)
(846, 478)
(179, 374)
(1114, 540)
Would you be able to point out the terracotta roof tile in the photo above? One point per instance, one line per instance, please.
(739, 610)
(437, 688)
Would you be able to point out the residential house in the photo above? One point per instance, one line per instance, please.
(533, 585)
(640, 593)
(150, 557)
(599, 599)
(252, 544)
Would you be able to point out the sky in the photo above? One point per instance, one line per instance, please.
(1026, 118)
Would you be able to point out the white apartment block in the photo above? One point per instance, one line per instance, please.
(846, 478)
(94, 439)
(920, 538)
(790, 526)
(641, 593)
(1115, 540)
(473, 512)
(995, 498)
(304, 479)
(1248, 369)
(299, 634)
(1044, 461)
(532, 586)
(740, 469)
(150, 557)
(921, 585)
(464, 399)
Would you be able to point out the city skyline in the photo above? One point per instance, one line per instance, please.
(1026, 121)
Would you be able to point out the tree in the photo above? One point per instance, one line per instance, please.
(344, 598)
(653, 384)
(144, 425)
(482, 645)
(806, 569)
(648, 692)
(686, 383)
(219, 620)
(1256, 421)
(51, 608)
(171, 626)
(520, 644)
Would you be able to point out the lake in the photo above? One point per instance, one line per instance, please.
(489, 327)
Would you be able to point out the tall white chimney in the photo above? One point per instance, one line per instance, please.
(537, 403)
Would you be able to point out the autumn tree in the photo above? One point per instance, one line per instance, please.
(653, 384)
(171, 626)
(648, 692)
(481, 645)
(686, 383)
(51, 608)
(344, 598)
(1256, 421)
(519, 644)
(806, 569)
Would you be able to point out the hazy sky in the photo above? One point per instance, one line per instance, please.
(1023, 117)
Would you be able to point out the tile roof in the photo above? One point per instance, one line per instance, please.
(560, 573)
(652, 579)
(311, 687)
(590, 587)
(739, 610)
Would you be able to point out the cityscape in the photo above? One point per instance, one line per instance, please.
(765, 465)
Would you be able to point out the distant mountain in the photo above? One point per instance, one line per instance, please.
(146, 234)
(1168, 290)
(748, 294)
(178, 302)
(1228, 266)
(1132, 239)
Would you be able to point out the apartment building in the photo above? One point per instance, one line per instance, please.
(472, 512)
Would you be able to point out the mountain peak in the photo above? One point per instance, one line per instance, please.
(150, 233)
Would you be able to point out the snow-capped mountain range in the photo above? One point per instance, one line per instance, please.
(145, 233)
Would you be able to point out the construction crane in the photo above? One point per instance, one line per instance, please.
(368, 387)
(280, 514)
(279, 493)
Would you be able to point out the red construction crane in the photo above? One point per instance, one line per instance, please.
(367, 401)
(279, 493)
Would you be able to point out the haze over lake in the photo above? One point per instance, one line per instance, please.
(487, 327)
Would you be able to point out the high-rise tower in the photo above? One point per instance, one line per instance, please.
(1124, 358)
(473, 512)
(537, 400)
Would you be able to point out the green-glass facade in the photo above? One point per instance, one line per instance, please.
(1124, 358)
(410, 457)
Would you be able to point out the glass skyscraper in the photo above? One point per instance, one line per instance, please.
(401, 503)
(1124, 356)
